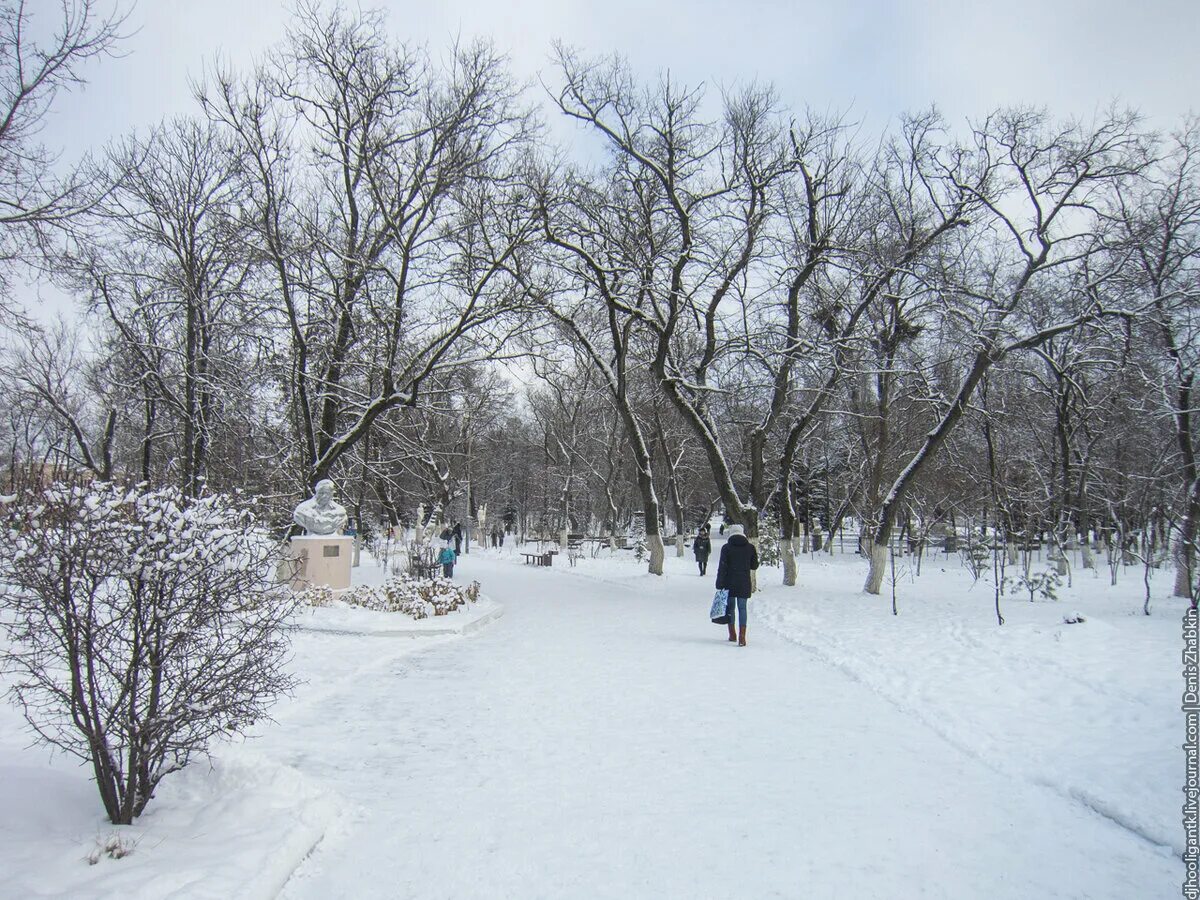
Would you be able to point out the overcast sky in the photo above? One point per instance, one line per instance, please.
(876, 58)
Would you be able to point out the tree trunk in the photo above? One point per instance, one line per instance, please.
(650, 505)
(878, 558)
(1185, 548)
(149, 420)
(787, 553)
(106, 782)
(654, 544)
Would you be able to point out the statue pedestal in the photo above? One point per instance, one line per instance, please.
(322, 559)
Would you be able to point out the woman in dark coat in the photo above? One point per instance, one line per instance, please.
(738, 559)
(702, 547)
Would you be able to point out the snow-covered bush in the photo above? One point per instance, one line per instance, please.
(414, 597)
(317, 595)
(142, 625)
(358, 595)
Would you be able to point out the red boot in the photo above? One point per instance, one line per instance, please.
(732, 633)
(741, 635)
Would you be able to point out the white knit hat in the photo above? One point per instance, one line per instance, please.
(735, 529)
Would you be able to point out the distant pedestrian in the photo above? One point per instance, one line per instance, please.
(495, 537)
(722, 528)
(447, 558)
(738, 559)
(458, 538)
(702, 548)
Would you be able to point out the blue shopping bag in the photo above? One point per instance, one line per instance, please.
(720, 605)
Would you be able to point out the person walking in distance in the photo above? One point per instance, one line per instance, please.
(738, 559)
(702, 547)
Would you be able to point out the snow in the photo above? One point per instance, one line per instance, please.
(602, 739)
(237, 827)
(350, 620)
(1090, 709)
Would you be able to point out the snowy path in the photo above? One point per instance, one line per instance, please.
(598, 743)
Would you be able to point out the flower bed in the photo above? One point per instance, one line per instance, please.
(417, 598)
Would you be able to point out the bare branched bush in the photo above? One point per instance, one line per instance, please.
(141, 627)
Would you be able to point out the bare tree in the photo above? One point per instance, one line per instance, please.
(1049, 192)
(35, 199)
(700, 195)
(47, 375)
(163, 261)
(386, 214)
(1161, 220)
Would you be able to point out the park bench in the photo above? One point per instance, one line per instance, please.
(538, 559)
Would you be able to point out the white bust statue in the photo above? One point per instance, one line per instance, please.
(319, 514)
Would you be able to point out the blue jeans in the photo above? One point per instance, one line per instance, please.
(741, 609)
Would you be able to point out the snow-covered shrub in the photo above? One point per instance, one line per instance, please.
(142, 626)
(417, 598)
(317, 595)
(361, 595)
(432, 596)
(399, 599)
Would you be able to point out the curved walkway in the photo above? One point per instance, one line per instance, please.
(599, 742)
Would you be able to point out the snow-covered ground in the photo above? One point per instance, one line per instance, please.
(1091, 710)
(601, 739)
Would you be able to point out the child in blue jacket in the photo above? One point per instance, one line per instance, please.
(446, 558)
